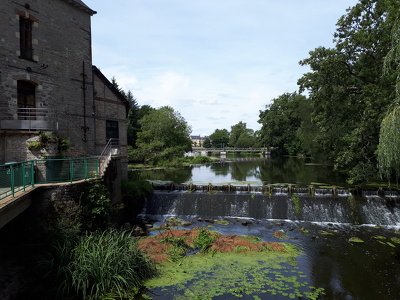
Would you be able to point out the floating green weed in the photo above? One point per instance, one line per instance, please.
(355, 239)
(222, 222)
(257, 274)
(303, 230)
(178, 247)
(239, 249)
(395, 240)
(252, 238)
(204, 239)
(323, 232)
(280, 235)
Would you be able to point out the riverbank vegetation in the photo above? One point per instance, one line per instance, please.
(343, 114)
(350, 94)
(88, 257)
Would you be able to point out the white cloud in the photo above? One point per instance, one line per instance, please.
(216, 62)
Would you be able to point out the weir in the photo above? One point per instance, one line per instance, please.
(274, 189)
(371, 209)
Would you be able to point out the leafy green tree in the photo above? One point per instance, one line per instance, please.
(133, 120)
(207, 142)
(164, 134)
(348, 90)
(144, 110)
(247, 139)
(280, 122)
(241, 137)
(389, 136)
(236, 131)
(219, 138)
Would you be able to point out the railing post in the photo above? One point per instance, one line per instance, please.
(23, 175)
(71, 170)
(32, 174)
(97, 167)
(85, 171)
(12, 179)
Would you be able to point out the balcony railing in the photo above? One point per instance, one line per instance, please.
(31, 119)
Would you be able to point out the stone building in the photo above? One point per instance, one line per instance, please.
(49, 85)
(197, 140)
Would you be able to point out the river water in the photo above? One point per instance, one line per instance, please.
(240, 169)
(322, 226)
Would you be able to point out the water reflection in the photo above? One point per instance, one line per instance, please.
(254, 170)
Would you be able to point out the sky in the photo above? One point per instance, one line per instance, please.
(216, 62)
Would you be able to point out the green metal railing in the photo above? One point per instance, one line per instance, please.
(15, 177)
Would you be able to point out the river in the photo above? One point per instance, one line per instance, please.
(350, 245)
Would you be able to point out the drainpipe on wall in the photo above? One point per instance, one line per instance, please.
(84, 103)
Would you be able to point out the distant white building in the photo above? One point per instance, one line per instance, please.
(197, 140)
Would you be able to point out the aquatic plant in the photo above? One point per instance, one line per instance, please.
(222, 222)
(258, 274)
(204, 240)
(355, 239)
(239, 249)
(178, 248)
(280, 235)
(296, 201)
(304, 230)
(395, 240)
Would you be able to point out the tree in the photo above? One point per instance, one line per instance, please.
(164, 134)
(280, 122)
(348, 91)
(207, 142)
(219, 138)
(241, 137)
(246, 139)
(132, 120)
(389, 135)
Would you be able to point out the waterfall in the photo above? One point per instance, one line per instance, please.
(328, 208)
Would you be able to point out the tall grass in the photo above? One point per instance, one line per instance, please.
(102, 265)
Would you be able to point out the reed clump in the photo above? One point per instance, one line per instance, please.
(101, 265)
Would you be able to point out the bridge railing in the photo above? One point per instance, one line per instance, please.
(232, 149)
(19, 176)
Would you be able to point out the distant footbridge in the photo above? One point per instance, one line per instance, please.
(265, 150)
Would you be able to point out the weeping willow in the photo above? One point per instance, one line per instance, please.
(389, 144)
(389, 136)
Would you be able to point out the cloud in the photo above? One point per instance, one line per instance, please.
(216, 62)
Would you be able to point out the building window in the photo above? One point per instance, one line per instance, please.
(112, 131)
(25, 38)
(26, 100)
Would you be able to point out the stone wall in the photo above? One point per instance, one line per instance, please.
(110, 105)
(61, 69)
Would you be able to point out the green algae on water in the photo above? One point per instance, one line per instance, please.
(355, 240)
(257, 274)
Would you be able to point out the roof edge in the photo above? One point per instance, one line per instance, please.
(110, 86)
(82, 6)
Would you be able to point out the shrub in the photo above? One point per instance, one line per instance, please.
(201, 160)
(34, 145)
(97, 207)
(63, 144)
(102, 265)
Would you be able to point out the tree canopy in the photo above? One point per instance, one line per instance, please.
(241, 136)
(164, 134)
(219, 138)
(348, 90)
(280, 123)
